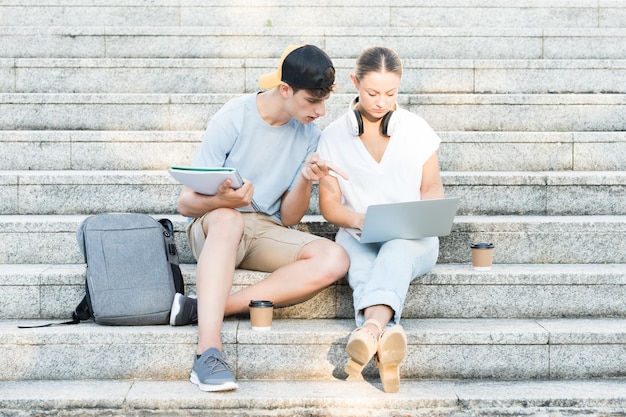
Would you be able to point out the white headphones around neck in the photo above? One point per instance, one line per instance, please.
(387, 124)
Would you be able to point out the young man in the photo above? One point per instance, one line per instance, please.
(270, 139)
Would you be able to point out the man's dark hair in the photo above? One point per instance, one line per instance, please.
(329, 75)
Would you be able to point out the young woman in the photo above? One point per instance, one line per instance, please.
(389, 155)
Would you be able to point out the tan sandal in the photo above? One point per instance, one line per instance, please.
(361, 347)
(391, 352)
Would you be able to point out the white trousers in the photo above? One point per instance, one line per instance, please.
(380, 273)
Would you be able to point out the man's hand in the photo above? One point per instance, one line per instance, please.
(315, 168)
(240, 197)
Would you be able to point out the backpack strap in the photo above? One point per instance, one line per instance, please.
(172, 254)
(179, 283)
(80, 313)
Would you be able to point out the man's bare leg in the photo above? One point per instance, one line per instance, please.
(215, 273)
(320, 263)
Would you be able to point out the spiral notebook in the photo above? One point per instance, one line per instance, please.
(206, 180)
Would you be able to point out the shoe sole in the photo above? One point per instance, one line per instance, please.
(360, 354)
(226, 386)
(391, 353)
(176, 307)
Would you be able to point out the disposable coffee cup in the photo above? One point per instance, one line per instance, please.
(261, 314)
(482, 255)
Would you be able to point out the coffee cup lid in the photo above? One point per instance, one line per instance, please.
(482, 245)
(260, 303)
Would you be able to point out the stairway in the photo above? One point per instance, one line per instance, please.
(98, 98)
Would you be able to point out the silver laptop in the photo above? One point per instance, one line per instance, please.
(409, 220)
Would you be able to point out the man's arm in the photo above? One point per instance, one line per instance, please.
(295, 203)
(193, 204)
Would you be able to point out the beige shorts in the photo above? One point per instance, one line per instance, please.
(266, 245)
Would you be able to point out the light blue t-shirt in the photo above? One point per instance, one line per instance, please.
(271, 157)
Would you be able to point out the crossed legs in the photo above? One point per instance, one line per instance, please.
(318, 264)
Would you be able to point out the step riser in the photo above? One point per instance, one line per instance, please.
(53, 292)
(353, 13)
(103, 150)
(459, 151)
(528, 239)
(524, 240)
(211, 42)
(481, 194)
(435, 350)
(555, 113)
(547, 243)
(445, 301)
(237, 76)
(285, 398)
(539, 200)
(93, 198)
(519, 151)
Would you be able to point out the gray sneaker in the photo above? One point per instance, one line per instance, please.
(210, 372)
(184, 310)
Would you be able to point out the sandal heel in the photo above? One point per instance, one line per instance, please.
(390, 377)
(391, 352)
(354, 369)
(361, 347)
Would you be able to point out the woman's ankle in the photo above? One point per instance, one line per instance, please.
(374, 327)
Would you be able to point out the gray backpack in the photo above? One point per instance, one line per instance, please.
(132, 269)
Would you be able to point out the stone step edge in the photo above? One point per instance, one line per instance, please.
(68, 222)
(474, 224)
(441, 274)
(328, 398)
(225, 63)
(340, 99)
(420, 75)
(522, 239)
(195, 136)
(448, 291)
(313, 31)
(450, 178)
(236, 331)
(315, 349)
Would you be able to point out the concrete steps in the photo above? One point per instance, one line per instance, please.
(98, 98)
(452, 290)
(368, 13)
(506, 349)
(519, 239)
(264, 42)
(478, 151)
(553, 193)
(603, 397)
(447, 112)
(236, 75)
